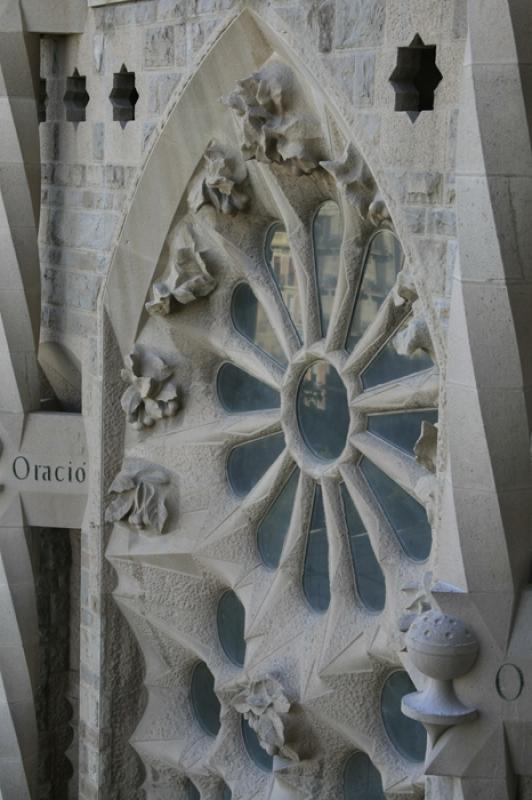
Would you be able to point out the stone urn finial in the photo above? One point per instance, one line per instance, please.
(442, 648)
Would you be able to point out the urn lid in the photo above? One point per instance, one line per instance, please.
(437, 633)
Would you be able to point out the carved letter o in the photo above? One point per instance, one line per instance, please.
(80, 470)
(27, 464)
(509, 682)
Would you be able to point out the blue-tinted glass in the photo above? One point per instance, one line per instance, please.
(362, 781)
(279, 259)
(274, 526)
(316, 568)
(231, 619)
(383, 262)
(191, 792)
(408, 736)
(368, 575)
(388, 365)
(257, 753)
(204, 701)
(322, 410)
(406, 516)
(227, 793)
(248, 462)
(239, 391)
(402, 429)
(327, 231)
(250, 320)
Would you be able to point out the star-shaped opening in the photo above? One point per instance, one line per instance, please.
(415, 77)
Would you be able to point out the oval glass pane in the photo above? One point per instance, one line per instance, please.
(402, 429)
(279, 258)
(316, 567)
(238, 391)
(407, 736)
(251, 321)
(258, 755)
(406, 516)
(191, 792)
(388, 365)
(362, 781)
(383, 261)
(204, 701)
(231, 620)
(272, 530)
(369, 579)
(327, 230)
(248, 462)
(322, 410)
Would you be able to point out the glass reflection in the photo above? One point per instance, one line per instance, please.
(251, 321)
(383, 262)
(248, 462)
(408, 736)
(368, 575)
(406, 516)
(402, 429)
(327, 232)
(227, 793)
(256, 752)
(240, 391)
(316, 567)
(362, 781)
(279, 259)
(388, 365)
(274, 527)
(322, 410)
(191, 792)
(204, 701)
(231, 620)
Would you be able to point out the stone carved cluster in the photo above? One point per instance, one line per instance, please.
(152, 389)
(220, 182)
(416, 336)
(354, 175)
(273, 128)
(189, 278)
(263, 703)
(426, 446)
(139, 498)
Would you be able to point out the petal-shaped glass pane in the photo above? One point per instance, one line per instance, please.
(362, 781)
(257, 753)
(316, 567)
(388, 365)
(279, 258)
(239, 391)
(402, 429)
(406, 516)
(251, 321)
(322, 410)
(231, 620)
(383, 262)
(407, 736)
(368, 575)
(327, 234)
(191, 792)
(204, 701)
(248, 462)
(272, 530)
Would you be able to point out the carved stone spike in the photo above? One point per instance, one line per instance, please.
(442, 648)
(220, 182)
(189, 277)
(263, 704)
(426, 446)
(415, 336)
(138, 498)
(152, 392)
(353, 174)
(274, 129)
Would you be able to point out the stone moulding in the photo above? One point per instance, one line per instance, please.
(139, 498)
(220, 182)
(189, 277)
(274, 128)
(353, 174)
(263, 703)
(152, 391)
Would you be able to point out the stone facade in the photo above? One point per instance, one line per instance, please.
(241, 122)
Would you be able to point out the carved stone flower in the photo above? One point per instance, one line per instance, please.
(138, 498)
(220, 182)
(263, 704)
(152, 393)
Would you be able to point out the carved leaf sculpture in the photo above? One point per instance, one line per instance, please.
(152, 393)
(138, 498)
(263, 704)
(352, 172)
(220, 182)
(273, 128)
(416, 336)
(189, 278)
(426, 446)
(404, 290)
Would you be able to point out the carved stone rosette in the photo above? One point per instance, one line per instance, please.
(139, 498)
(152, 392)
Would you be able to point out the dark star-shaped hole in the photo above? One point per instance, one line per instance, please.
(123, 96)
(415, 77)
